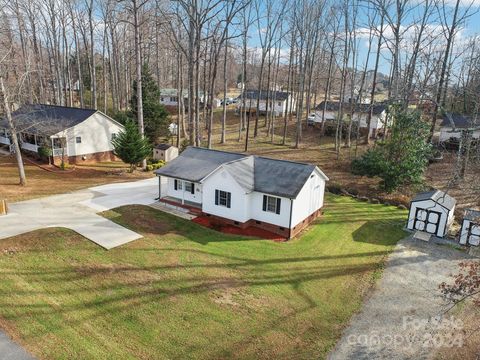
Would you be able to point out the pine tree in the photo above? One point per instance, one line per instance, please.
(155, 116)
(130, 146)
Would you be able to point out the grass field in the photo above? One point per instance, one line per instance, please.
(184, 291)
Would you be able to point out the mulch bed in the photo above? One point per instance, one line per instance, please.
(230, 229)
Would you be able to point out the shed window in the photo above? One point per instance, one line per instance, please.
(271, 204)
(78, 139)
(223, 198)
(114, 136)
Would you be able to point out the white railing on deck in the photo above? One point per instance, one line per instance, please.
(30, 147)
(59, 152)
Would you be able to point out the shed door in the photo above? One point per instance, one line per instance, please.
(427, 220)
(473, 236)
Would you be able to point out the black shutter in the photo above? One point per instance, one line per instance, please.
(278, 205)
(229, 199)
(175, 184)
(264, 202)
(193, 188)
(217, 195)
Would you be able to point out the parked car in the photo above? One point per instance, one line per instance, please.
(311, 119)
(228, 101)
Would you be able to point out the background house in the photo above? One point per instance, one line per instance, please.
(460, 123)
(276, 195)
(277, 101)
(165, 152)
(73, 133)
(169, 97)
(360, 114)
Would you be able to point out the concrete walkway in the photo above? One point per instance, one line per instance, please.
(77, 211)
(399, 320)
(11, 351)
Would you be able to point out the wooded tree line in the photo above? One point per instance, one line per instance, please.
(88, 53)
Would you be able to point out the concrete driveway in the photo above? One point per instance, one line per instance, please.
(77, 211)
(405, 316)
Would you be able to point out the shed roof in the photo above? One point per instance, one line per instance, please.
(253, 173)
(41, 119)
(460, 121)
(438, 196)
(473, 215)
(163, 146)
(347, 106)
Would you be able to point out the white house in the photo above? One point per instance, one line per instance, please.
(453, 124)
(360, 114)
(76, 134)
(470, 230)
(245, 190)
(169, 97)
(279, 102)
(431, 212)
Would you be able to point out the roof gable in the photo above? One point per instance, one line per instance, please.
(437, 196)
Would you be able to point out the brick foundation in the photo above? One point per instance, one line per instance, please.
(282, 231)
(87, 158)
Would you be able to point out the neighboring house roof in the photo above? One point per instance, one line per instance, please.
(163, 146)
(174, 92)
(460, 121)
(40, 119)
(438, 196)
(473, 215)
(252, 173)
(347, 107)
(278, 95)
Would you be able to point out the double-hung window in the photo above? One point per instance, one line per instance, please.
(189, 186)
(271, 204)
(223, 198)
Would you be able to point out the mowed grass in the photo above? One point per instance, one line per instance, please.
(184, 291)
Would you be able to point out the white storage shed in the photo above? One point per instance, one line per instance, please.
(470, 230)
(432, 212)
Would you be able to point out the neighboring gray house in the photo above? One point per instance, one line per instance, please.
(460, 123)
(74, 133)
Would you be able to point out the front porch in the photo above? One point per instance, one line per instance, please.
(190, 206)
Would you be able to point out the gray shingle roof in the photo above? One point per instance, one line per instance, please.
(460, 121)
(362, 108)
(254, 94)
(280, 177)
(47, 120)
(253, 173)
(438, 196)
(194, 163)
(473, 215)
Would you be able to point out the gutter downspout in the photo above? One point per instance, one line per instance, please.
(290, 220)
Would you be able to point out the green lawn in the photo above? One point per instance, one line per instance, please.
(185, 291)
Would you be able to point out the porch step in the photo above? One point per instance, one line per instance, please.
(421, 235)
(174, 210)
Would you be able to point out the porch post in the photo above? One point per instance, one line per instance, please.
(159, 188)
(183, 192)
